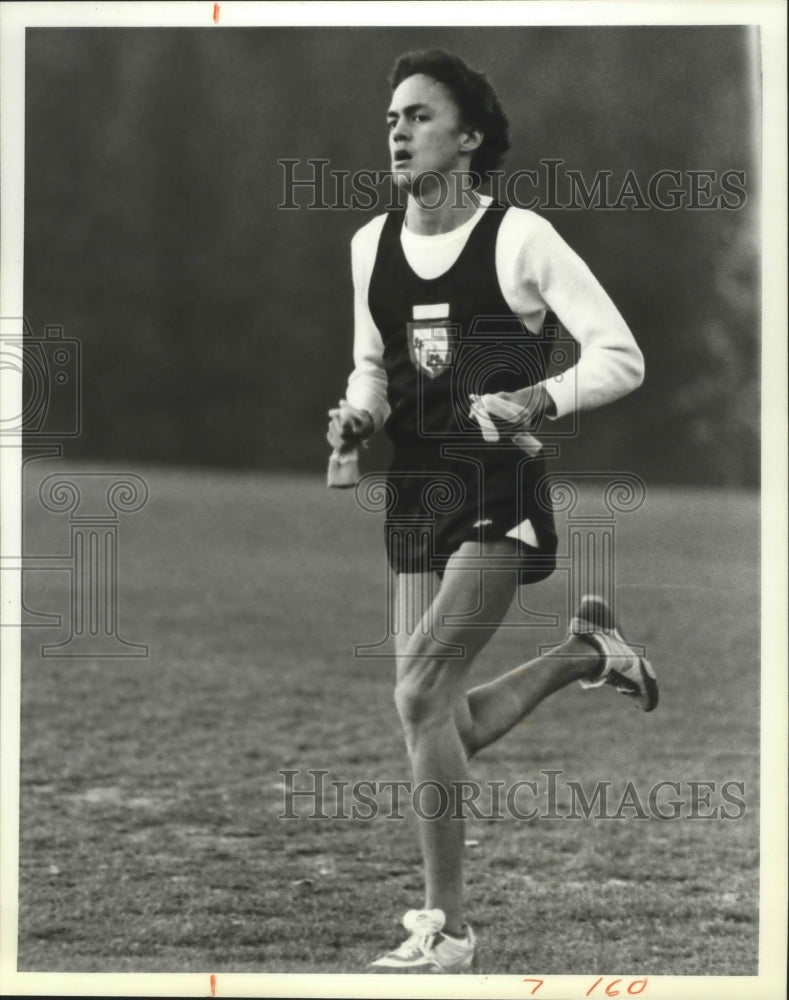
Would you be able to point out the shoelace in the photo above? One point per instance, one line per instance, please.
(421, 942)
(624, 684)
(424, 927)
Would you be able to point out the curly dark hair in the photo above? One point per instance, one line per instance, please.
(479, 106)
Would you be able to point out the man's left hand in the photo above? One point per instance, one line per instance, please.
(532, 403)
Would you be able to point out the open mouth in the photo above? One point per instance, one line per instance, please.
(401, 155)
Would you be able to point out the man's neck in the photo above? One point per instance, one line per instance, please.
(450, 213)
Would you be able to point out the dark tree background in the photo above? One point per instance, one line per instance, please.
(217, 328)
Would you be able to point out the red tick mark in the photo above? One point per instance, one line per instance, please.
(212, 980)
(216, 21)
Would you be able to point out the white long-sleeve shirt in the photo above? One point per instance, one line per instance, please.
(537, 272)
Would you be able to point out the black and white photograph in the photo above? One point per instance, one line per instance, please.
(394, 499)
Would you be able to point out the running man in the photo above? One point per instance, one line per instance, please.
(450, 295)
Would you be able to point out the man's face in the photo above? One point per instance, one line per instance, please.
(425, 131)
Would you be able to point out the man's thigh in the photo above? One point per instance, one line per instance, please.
(458, 616)
(413, 597)
(442, 626)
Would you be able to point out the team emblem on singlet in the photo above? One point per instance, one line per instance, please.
(431, 339)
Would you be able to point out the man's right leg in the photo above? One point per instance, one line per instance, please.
(444, 723)
(435, 651)
(434, 657)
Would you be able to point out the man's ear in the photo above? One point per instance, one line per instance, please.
(471, 139)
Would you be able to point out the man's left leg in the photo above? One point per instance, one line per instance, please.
(594, 653)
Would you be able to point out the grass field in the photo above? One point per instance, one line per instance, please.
(150, 837)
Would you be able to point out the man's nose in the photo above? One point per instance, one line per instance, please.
(399, 132)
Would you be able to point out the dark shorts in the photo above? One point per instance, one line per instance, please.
(442, 497)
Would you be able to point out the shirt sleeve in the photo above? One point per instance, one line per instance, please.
(367, 383)
(549, 275)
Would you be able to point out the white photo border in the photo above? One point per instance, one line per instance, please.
(770, 18)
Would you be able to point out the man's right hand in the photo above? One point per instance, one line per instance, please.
(348, 426)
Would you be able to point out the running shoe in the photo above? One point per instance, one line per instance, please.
(428, 950)
(621, 665)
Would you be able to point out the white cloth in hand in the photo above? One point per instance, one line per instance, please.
(491, 411)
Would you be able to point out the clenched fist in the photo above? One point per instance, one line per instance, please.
(348, 427)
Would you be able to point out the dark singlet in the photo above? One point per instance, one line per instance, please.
(444, 339)
(447, 337)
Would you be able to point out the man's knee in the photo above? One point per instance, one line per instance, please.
(423, 691)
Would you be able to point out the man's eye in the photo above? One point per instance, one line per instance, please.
(420, 118)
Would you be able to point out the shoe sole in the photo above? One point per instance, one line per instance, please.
(647, 694)
(650, 699)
